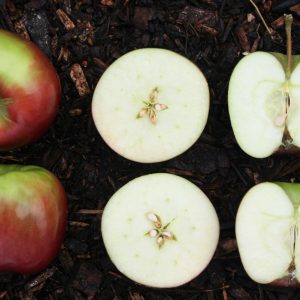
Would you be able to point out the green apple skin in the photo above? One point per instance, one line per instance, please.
(30, 91)
(33, 213)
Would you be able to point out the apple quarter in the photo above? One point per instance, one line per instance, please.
(264, 103)
(160, 230)
(267, 232)
(151, 105)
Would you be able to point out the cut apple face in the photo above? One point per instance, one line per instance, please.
(264, 103)
(151, 105)
(267, 232)
(160, 230)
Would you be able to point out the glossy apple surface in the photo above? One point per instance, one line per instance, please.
(267, 231)
(160, 230)
(29, 91)
(33, 210)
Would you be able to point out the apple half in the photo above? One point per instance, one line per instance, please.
(264, 101)
(267, 232)
(151, 105)
(160, 230)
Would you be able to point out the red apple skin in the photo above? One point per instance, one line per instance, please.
(30, 83)
(33, 213)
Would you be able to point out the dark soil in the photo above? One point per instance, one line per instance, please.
(82, 38)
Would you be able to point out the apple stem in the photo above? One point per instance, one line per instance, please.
(288, 19)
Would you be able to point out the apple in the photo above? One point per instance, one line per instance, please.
(263, 100)
(33, 212)
(29, 91)
(160, 230)
(267, 232)
(151, 105)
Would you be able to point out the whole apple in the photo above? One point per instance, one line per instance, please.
(29, 91)
(33, 211)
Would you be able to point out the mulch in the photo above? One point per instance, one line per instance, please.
(82, 38)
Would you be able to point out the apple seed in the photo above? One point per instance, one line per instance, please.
(160, 232)
(151, 107)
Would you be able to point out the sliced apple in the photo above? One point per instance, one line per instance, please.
(267, 232)
(160, 230)
(151, 105)
(264, 101)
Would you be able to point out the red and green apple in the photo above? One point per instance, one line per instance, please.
(33, 211)
(29, 91)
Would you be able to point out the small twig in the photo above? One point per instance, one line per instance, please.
(261, 17)
(288, 19)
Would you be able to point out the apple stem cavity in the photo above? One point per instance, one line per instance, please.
(159, 232)
(152, 107)
(288, 19)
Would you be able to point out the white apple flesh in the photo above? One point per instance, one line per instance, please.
(151, 105)
(264, 102)
(267, 232)
(258, 110)
(160, 230)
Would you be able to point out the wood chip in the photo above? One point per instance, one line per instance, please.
(90, 211)
(142, 16)
(243, 38)
(203, 20)
(255, 44)
(135, 296)
(100, 63)
(296, 9)
(79, 79)
(64, 54)
(109, 3)
(279, 22)
(66, 21)
(228, 245)
(21, 30)
(40, 280)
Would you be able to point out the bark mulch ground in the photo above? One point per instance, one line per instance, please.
(82, 38)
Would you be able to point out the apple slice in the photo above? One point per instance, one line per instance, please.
(264, 101)
(160, 230)
(267, 227)
(151, 105)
